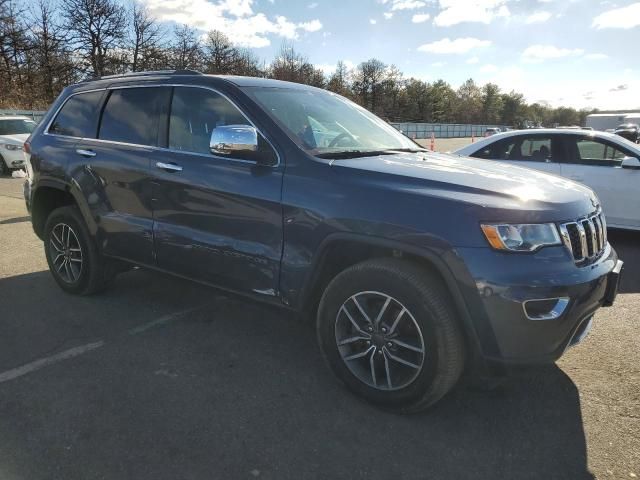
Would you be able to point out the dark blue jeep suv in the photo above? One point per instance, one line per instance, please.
(415, 265)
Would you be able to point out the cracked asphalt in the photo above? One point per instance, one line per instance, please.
(160, 378)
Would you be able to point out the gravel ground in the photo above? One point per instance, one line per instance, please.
(159, 378)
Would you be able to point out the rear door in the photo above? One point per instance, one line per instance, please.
(597, 163)
(538, 151)
(114, 170)
(217, 219)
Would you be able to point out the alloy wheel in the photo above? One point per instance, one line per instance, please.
(379, 340)
(66, 253)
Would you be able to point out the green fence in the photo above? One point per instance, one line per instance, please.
(444, 130)
(35, 115)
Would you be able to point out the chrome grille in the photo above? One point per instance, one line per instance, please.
(585, 238)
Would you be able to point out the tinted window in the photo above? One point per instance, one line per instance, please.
(132, 115)
(78, 116)
(16, 126)
(196, 112)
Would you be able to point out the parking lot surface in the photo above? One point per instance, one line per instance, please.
(160, 378)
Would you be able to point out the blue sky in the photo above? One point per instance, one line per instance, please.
(579, 53)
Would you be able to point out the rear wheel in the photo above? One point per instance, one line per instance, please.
(4, 170)
(388, 330)
(72, 255)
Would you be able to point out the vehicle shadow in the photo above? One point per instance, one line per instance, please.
(626, 245)
(238, 390)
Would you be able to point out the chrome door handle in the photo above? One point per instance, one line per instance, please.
(172, 167)
(85, 153)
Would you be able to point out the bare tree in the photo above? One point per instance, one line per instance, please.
(14, 45)
(339, 79)
(147, 37)
(367, 84)
(96, 29)
(220, 54)
(186, 52)
(291, 66)
(52, 59)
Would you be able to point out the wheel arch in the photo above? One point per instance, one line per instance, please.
(340, 251)
(51, 194)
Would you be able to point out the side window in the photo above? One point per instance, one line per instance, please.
(196, 112)
(78, 116)
(527, 148)
(594, 152)
(132, 115)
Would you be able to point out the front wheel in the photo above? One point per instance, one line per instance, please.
(388, 330)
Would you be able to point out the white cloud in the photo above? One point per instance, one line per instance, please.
(329, 68)
(420, 17)
(539, 53)
(596, 56)
(625, 17)
(388, 15)
(489, 68)
(235, 18)
(457, 46)
(407, 4)
(312, 26)
(438, 64)
(473, 60)
(313, 5)
(538, 17)
(454, 12)
(373, 21)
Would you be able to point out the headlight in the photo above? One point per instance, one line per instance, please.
(521, 237)
(10, 146)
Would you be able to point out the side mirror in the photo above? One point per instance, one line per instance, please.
(234, 139)
(631, 162)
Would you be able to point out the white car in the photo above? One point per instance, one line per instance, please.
(13, 133)
(607, 163)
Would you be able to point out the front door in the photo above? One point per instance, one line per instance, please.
(597, 163)
(216, 219)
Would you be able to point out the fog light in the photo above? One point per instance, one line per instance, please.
(546, 308)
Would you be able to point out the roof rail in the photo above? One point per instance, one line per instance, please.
(148, 73)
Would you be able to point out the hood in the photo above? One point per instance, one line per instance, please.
(18, 138)
(486, 183)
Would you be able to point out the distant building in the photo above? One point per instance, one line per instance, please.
(606, 121)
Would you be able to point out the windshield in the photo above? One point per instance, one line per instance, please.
(16, 126)
(326, 124)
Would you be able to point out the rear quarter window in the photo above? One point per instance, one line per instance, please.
(78, 116)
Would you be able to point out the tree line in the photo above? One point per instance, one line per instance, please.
(46, 45)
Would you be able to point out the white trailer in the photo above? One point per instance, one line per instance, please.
(606, 121)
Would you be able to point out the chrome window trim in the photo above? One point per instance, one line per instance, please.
(172, 150)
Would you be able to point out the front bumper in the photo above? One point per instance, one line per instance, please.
(504, 282)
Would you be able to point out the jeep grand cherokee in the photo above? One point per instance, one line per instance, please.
(415, 265)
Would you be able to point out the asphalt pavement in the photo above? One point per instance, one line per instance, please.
(160, 378)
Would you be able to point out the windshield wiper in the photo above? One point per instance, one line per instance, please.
(367, 153)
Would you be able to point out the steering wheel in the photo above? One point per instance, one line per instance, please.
(339, 137)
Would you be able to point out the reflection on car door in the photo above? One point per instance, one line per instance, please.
(216, 219)
(597, 163)
(113, 170)
(538, 151)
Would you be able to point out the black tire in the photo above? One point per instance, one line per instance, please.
(95, 273)
(4, 170)
(431, 310)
